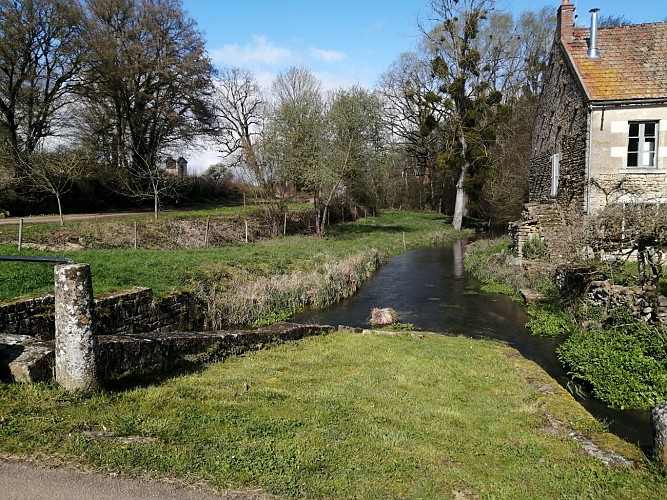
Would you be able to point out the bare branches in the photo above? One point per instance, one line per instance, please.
(42, 53)
(54, 172)
(150, 74)
(150, 181)
(240, 113)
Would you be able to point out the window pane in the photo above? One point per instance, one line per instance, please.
(648, 156)
(632, 159)
(649, 130)
(634, 130)
(633, 145)
(647, 159)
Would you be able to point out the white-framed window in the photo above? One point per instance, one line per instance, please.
(642, 144)
(555, 167)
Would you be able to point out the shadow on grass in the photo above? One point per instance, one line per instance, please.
(130, 381)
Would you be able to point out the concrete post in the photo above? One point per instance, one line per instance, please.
(76, 367)
(659, 419)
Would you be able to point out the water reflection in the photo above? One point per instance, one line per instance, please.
(429, 288)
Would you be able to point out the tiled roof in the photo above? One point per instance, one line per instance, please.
(632, 62)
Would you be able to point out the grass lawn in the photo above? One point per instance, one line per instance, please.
(340, 416)
(167, 270)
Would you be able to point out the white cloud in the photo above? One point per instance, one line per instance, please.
(377, 26)
(327, 55)
(258, 51)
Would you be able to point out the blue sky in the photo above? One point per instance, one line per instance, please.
(343, 42)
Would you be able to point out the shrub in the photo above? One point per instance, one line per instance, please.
(550, 319)
(535, 248)
(624, 362)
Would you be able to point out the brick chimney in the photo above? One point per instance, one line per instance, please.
(565, 20)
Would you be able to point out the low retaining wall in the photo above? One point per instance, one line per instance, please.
(33, 317)
(154, 352)
(22, 359)
(127, 312)
(645, 302)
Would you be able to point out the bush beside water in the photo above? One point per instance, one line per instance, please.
(620, 358)
(624, 362)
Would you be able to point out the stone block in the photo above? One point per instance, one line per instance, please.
(22, 359)
(531, 296)
(659, 420)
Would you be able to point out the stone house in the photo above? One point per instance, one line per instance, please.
(600, 132)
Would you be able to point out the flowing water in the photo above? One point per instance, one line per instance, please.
(429, 288)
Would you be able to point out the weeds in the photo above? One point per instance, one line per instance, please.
(264, 300)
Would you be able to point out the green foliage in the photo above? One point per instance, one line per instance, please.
(535, 248)
(624, 362)
(401, 327)
(550, 319)
(488, 261)
(495, 287)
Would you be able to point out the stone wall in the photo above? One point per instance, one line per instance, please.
(560, 126)
(24, 360)
(128, 312)
(33, 317)
(645, 302)
(153, 352)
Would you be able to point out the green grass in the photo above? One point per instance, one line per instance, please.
(167, 270)
(341, 416)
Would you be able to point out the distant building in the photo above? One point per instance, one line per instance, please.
(177, 168)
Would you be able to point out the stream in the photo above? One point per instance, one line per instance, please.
(429, 288)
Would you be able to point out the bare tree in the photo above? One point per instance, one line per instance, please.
(149, 79)
(240, 111)
(42, 51)
(297, 133)
(413, 112)
(474, 55)
(634, 228)
(147, 181)
(54, 172)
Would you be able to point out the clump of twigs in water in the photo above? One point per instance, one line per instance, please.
(383, 316)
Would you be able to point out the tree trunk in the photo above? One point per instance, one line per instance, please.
(461, 200)
(60, 211)
(318, 221)
(156, 204)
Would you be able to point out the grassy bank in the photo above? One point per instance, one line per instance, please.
(621, 360)
(165, 270)
(248, 283)
(341, 416)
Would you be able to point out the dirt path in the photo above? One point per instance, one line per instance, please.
(44, 219)
(22, 480)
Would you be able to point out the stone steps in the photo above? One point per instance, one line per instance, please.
(550, 220)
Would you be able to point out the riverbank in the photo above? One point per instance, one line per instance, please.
(245, 283)
(608, 351)
(340, 416)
